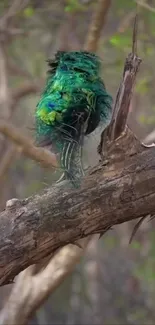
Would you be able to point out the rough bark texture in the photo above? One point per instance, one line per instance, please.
(119, 189)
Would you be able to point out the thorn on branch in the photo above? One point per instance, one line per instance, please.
(103, 232)
(136, 227)
(77, 244)
(151, 217)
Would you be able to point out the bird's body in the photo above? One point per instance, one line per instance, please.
(72, 105)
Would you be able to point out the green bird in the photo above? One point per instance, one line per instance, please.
(72, 105)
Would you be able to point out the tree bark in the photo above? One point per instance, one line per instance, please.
(119, 189)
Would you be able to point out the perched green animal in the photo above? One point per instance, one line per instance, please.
(72, 105)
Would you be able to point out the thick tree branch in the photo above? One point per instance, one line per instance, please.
(121, 190)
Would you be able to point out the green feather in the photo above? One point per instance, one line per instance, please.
(71, 106)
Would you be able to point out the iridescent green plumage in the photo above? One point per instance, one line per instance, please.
(72, 105)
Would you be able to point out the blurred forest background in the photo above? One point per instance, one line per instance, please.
(115, 282)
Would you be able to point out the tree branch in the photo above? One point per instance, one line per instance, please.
(145, 5)
(113, 193)
(35, 287)
(24, 90)
(43, 156)
(14, 69)
(97, 24)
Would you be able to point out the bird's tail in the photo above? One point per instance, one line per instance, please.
(71, 156)
(71, 161)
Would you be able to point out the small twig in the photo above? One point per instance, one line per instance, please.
(97, 24)
(44, 157)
